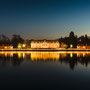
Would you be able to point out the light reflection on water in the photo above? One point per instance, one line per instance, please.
(45, 70)
(71, 58)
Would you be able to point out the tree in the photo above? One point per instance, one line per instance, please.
(84, 40)
(4, 40)
(16, 39)
(72, 39)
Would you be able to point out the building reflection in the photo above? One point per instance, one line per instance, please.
(73, 59)
(44, 56)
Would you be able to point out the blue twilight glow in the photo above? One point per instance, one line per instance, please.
(39, 19)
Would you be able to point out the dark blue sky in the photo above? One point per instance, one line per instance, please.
(39, 19)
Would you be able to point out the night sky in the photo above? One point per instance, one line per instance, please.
(44, 19)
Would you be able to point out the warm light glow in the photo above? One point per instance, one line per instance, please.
(71, 46)
(19, 46)
(71, 55)
(78, 47)
(84, 47)
(45, 44)
(63, 45)
(11, 47)
(23, 55)
(5, 47)
(11, 54)
(24, 45)
(44, 56)
(19, 55)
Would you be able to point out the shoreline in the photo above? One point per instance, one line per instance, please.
(44, 50)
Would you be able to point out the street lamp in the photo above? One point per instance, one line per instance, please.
(24, 45)
(71, 46)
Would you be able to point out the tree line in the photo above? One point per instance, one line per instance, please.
(4, 40)
(71, 39)
(75, 40)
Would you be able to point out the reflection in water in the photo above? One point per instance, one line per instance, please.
(72, 58)
(44, 56)
(71, 55)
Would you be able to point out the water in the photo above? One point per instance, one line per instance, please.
(22, 70)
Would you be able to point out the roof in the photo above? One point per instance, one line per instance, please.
(45, 40)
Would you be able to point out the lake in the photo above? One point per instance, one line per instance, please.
(62, 70)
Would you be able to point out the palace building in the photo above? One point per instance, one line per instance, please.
(45, 44)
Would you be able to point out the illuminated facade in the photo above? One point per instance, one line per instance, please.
(6, 47)
(83, 47)
(45, 44)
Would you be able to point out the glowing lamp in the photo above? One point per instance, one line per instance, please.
(83, 47)
(11, 47)
(5, 47)
(24, 45)
(71, 46)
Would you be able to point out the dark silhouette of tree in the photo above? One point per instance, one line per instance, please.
(16, 39)
(72, 39)
(84, 40)
(4, 40)
(28, 43)
(87, 41)
(71, 34)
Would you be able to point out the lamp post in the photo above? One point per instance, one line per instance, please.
(71, 46)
